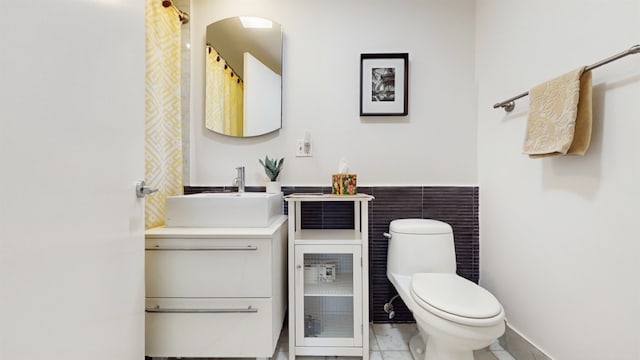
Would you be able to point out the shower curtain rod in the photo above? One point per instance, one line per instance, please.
(183, 16)
(509, 104)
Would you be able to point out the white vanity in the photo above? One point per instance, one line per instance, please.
(215, 291)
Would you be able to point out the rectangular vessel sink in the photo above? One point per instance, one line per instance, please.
(223, 210)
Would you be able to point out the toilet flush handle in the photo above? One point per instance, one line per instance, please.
(387, 235)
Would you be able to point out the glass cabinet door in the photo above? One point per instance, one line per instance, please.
(328, 295)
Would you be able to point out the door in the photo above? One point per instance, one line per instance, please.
(71, 150)
(328, 298)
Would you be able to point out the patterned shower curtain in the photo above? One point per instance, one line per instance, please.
(224, 97)
(163, 148)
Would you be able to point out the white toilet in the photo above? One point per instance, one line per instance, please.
(454, 315)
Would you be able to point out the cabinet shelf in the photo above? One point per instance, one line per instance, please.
(339, 287)
(335, 326)
(347, 235)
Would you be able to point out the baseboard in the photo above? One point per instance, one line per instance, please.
(519, 347)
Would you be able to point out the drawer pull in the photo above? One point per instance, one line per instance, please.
(157, 309)
(217, 248)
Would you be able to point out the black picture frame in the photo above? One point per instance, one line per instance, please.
(384, 84)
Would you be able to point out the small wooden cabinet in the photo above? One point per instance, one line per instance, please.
(328, 282)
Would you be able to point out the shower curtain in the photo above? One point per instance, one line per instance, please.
(224, 97)
(163, 148)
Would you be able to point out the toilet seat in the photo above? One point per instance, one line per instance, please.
(456, 299)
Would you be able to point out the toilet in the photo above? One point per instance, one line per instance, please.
(454, 315)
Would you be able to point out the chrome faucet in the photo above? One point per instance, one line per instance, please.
(239, 180)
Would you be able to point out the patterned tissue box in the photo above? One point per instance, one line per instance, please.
(344, 184)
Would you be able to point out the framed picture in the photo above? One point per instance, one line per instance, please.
(384, 84)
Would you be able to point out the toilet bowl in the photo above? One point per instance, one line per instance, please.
(454, 315)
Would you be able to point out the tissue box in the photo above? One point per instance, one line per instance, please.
(344, 184)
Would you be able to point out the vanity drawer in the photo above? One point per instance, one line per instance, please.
(208, 268)
(209, 328)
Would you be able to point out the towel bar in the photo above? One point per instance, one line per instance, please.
(509, 104)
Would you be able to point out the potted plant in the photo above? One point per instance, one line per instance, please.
(272, 168)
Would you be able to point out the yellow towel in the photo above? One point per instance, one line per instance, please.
(560, 116)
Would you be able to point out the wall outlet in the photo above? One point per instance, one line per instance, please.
(303, 149)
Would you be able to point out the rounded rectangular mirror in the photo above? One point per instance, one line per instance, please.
(243, 95)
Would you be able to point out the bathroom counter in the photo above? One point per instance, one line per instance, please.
(208, 233)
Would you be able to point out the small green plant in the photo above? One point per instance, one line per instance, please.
(272, 167)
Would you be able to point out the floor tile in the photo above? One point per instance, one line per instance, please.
(280, 355)
(503, 355)
(394, 337)
(373, 343)
(499, 352)
(483, 354)
(387, 342)
(495, 346)
(397, 355)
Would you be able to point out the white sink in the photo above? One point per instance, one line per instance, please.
(249, 209)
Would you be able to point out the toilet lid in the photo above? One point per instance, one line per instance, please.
(419, 226)
(455, 298)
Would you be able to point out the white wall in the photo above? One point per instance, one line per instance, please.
(262, 97)
(559, 244)
(434, 145)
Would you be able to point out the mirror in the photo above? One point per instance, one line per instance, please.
(243, 94)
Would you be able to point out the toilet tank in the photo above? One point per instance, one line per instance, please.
(420, 245)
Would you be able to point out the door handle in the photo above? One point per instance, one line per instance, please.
(157, 309)
(143, 190)
(217, 248)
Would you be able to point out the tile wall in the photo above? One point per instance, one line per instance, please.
(456, 205)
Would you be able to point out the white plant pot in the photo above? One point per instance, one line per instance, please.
(273, 187)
